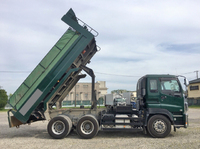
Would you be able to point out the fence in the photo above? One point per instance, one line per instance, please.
(81, 102)
(192, 101)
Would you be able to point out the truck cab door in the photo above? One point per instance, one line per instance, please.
(152, 98)
(171, 97)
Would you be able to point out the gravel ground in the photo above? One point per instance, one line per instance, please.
(35, 136)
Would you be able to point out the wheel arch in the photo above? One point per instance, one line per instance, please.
(156, 111)
(91, 115)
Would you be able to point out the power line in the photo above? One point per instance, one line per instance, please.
(197, 73)
(95, 72)
(122, 75)
(188, 72)
(116, 74)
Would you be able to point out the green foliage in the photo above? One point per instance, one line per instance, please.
(195, 106)
(3, 110)
(9, 95)
(100, 100)
(3, 98)
(119, 91)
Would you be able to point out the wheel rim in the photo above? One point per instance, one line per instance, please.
(58, 127)
(159, 126)
(87, 127)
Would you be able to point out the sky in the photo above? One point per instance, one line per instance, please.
(136, 37)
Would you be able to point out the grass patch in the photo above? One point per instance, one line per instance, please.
(195, 106)
(86, 107)
(3, 110)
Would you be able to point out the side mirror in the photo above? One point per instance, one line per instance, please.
(186, 94)
(186, 82)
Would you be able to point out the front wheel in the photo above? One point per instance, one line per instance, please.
(87, 127)
(159, 126)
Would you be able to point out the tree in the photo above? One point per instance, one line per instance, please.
(119, 91)
(3, 98)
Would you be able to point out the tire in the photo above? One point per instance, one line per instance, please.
(59, 127)
(69, 122)
(87, 127)
(159, 126)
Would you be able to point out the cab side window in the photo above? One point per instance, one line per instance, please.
(153, 86)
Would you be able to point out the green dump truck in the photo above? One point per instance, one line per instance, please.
(161, 100)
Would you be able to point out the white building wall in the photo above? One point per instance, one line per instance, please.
(83, 91)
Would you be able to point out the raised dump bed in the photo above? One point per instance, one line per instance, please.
(55, 75)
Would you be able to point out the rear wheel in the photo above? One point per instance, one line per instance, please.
(87, 127)
(159, 126)
(59, 127)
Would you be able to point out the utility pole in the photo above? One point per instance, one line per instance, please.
(75, 96)
(196, 73)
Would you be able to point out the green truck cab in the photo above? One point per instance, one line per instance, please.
(162, 95)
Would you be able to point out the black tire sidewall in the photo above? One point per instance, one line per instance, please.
(87, 136)
(49, 127)
(151, 130)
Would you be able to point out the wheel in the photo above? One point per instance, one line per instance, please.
(159, 126)
(59, 127)
(69, 121)
(87, 127)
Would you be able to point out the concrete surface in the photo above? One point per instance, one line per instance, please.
(35, 136)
